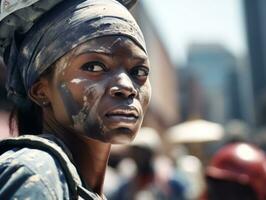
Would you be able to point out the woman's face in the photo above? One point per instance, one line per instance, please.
(101, 89)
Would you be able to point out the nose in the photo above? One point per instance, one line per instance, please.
(123, 87)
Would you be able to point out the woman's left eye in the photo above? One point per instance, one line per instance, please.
(93, 67)
(140, 71)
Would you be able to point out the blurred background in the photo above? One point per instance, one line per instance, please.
(208, 76)
(205, 58)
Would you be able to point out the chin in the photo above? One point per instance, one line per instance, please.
(121, 136)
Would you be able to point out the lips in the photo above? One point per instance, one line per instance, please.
(123, 114)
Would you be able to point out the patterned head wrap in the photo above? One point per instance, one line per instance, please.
(59, 31)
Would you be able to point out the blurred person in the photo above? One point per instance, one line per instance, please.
(154, 178)
(190, 169)
(236, 172)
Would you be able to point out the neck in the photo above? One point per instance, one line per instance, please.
(90, 156)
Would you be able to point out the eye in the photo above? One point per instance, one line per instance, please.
(140, 71)
(93, 66)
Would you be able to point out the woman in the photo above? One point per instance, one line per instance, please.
(79, 77)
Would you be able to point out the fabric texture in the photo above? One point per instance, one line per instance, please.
(67, 25)
(44, 172)
(31, 174)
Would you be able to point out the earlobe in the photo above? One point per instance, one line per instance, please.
(39, 93)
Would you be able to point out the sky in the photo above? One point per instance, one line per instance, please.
(181, 22)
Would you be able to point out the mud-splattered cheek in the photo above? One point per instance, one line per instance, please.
(71, 106)
(87, 119)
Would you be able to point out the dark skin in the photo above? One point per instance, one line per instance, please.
(96, 96)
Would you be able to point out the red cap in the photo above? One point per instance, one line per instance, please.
(242, 163)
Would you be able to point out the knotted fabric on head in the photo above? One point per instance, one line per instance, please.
(57, 32)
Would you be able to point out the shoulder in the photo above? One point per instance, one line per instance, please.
(24, 170)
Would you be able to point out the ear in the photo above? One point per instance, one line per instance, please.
(39, 92)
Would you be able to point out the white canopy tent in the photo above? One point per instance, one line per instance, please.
(195, 131)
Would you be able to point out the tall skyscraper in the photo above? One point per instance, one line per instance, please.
(213, 71)
(255, 12)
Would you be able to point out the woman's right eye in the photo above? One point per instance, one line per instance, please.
(93, 67)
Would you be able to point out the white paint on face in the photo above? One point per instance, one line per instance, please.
(79, 119)
(77, 80)
(116, 41)
(85, 100)
(87, 97)
(96, 91)
(88, 109)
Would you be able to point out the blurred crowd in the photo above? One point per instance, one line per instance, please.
(225, 165)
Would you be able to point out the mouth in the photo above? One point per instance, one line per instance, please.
(123, 115)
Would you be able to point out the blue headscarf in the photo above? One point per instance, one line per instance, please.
(57, 32)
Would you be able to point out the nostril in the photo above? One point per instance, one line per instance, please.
(132, 96)
(119, 94)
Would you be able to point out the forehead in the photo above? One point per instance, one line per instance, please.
(109, 45)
